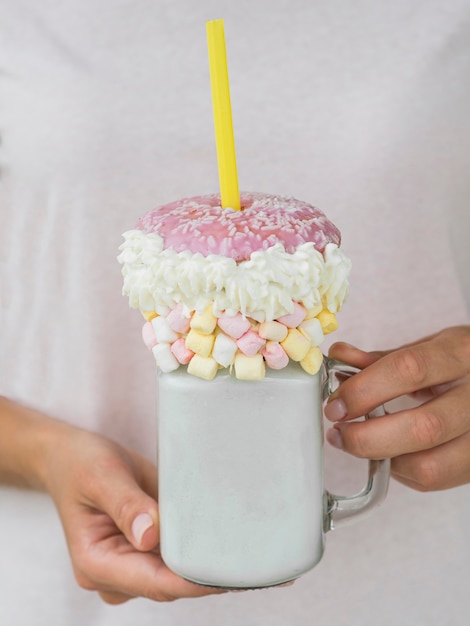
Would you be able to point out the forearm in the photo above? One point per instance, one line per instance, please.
(27, 439)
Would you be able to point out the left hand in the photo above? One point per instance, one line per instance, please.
(106, 498)
(430, 444)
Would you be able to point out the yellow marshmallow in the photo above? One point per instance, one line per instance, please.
(149, 315)
(199, 343)
(249, 367)
(203, 367)
(204, 322)
(312, 362)
(328, 321)
(296, 344)
(275, 331)
(314, 311)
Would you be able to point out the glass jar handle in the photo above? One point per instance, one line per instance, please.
(340, 509)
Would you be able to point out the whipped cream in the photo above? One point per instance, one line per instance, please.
(263, 287)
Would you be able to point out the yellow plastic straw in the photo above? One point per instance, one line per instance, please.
(225, 143)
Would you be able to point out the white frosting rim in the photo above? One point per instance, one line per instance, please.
(263, 287)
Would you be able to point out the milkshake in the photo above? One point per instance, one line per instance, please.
(236, 306)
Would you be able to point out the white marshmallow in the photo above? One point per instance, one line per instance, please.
(313, 329)
(224, 350)
(164, 357)
(162, 330)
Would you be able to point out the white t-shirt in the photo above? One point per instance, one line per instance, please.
(105, 111)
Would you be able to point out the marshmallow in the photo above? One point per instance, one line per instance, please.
(313, 361)
(275, 331)
(250, 343)
(275, 355)
(204, 322)
(258, 316)
(148, 335)
(177, 321)
(149, 315)
(224, 350)
(314, 311)
(296, 344)
(164, 358)
(234, 325)
(328, 321)
(199, 343)
(313, 329)
(203, 367)
(181, 352)
(162, 330)
(249, 367)
(292, 320)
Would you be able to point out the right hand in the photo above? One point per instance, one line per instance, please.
(429, 444)
(106, 499)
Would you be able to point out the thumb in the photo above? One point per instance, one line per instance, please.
(133, 511)
(144, 531)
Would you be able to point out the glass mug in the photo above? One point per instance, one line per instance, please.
(240, 470)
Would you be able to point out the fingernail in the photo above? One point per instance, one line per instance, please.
(335, 410)
(335, 438)
(140, 525)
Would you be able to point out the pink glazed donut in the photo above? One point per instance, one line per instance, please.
(201, 225)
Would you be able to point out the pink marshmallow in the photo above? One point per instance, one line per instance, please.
(148, 335)
(181, 352)
(250, 343)
(292, 320)
(275, 356)
(234, 325)
(177, 321)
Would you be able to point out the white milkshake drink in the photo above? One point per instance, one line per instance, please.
(241, 494)
(237, 304)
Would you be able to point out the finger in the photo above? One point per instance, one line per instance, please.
(138, 575)
(442, 359)
(116, 492)
(353, 356)
(113, 597)
(443, 467)
(359, 358)
(436, 422)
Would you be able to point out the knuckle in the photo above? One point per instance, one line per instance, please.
(427, 429)
(124, 511)
(84, 566)
(113, 598)
(410, 366)
(83, 580)
(464, 348)
(353, 438)
(427, 474)
(166, 598)
(159, 596)
(358, 389)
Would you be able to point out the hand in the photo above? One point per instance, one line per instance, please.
(429, 444)
(106, 498)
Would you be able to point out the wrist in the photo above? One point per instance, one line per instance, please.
(27, 440)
